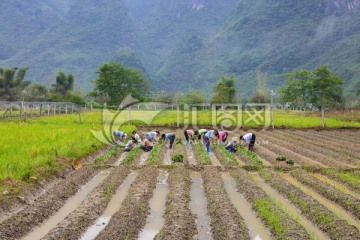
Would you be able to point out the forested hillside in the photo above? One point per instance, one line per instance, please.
(182, 45)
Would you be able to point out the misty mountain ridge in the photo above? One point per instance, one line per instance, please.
(182, 45)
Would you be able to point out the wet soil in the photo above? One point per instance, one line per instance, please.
(199, 206)
(90, 209)
(226, 222)
(179, 221)
(347, 201)
(130, 219)
(292, 230)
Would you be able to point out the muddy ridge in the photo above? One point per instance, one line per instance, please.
(129, 220)
(77, 222)
(179, 221)
(291, 230)
(226, 222)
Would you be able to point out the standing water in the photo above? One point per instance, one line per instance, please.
(167, 157)
(257, 230)
(121, 158)
(144, 156)
(214, 161)
(155, 220)
(70, 206)
(198, 206)
(288, 208)
(190, 155)
(113, 206)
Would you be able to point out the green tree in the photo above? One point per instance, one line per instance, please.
(118, 82)
(321, 88)
(12, 82)
(224, 91)
(260, 95)
(358, 92)
(327, 90)
(35, 92)
(195, 97)
(298, 89)
(63, 84)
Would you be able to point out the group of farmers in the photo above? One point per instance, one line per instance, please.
(205, 135)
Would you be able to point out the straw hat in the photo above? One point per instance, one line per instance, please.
(235, 139)
(76, 164)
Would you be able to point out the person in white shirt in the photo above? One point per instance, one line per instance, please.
(130, 145)
(137, 137)
(119, 136)
(249, 139)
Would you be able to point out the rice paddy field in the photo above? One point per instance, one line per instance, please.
(299, 183)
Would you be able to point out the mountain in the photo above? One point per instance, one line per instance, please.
(87, 35)
(183, 44)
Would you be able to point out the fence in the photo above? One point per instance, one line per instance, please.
(21, 109)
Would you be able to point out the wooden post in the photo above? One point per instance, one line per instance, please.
(66, 109)
(54, 109)
(48, 110)
(91, 107)
(31, 110)
(11, 111)
(72, 108)
(79, 115)
(21, 109)
(41, 109)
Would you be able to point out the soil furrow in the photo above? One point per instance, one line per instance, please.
(321, 148)
(226, 222)
(279, 223)
(257, 230)
(199, 206)
(32, 216)
(179, 221)
(330, 145)
(344, 177)
(278, 147)
(347, 201)
(306, 150)
(346, 142)
(312, 209)
(77, 222)
(128, 221)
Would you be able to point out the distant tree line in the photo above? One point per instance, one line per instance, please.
(14, 88)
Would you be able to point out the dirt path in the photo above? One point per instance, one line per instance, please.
(190, 155)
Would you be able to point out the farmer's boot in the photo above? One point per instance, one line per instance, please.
(187, 143)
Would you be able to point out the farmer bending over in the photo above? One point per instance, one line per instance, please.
(207, 138)
(151, 136)
(130, 145)
(231, 146)
(201, 132)
(119, 136)
(168, 137)
(190, 133)
(249, 139)
(146, 145)
(223, 137)
(137, 137)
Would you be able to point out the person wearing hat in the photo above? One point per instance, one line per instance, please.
(249, 139)
(119, 136)
(231, 146)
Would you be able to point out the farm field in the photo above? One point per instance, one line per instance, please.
(146, 195)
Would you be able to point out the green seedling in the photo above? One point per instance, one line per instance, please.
(290, 162)
(177, 158)
(281, 158)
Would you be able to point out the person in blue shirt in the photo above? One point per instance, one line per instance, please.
(168, 137)
(231, 146)
(151, 136)
(119, 136)
(207, 138)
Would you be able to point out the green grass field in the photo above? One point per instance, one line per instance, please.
(43, 144)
